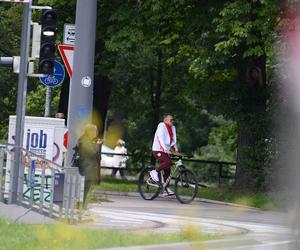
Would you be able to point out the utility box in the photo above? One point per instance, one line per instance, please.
(59, 181)
(44, 137)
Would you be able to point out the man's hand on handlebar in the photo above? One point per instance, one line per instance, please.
(177, 154)
(169, 152)
(174, 153)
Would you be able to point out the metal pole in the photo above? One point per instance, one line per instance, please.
(81, 86)
(21, 100)
(48, 102)
(105, 129)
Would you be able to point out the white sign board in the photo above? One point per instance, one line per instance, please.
(37, 139)
(42, 136)
(69, 34)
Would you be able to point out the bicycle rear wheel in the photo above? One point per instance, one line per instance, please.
(186, 186)
(148, 189)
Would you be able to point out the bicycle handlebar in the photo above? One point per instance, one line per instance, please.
(180, 156)
(175, 156)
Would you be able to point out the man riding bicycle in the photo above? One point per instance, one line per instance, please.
(164, 144)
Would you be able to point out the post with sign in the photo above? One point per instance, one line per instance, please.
(81, 87)
(21, 103)
(50, 81)
(23, 66)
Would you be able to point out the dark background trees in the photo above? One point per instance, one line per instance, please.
(207, 62)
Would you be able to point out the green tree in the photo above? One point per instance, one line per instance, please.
(147, 75)
(10, 23)
(234, 68)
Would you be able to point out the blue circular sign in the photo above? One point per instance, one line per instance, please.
(53, 80)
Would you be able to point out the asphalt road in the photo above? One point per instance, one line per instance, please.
(244, 228)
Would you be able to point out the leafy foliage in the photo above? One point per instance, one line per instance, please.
(222, 142)
(189, 58)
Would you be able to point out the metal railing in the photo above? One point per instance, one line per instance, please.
(1, 174)
(45, 186)
(212, 171)
(208, 170)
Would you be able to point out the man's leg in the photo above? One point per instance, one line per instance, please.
(164, 159)
(114, 172)
(167, 173)
(165, 163)
(122, 173)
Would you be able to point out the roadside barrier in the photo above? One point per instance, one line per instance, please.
(209, 171)
(53, 190)
(44, 186)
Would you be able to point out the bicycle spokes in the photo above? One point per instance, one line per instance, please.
(148, 188)
(186, 186)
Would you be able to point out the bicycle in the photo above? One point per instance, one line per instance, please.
(186, 183)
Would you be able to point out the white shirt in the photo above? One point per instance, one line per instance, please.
(162, 141)
(119, 161)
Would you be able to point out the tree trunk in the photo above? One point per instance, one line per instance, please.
(64, 98)
(102, 91)
(251, 125)
(156, 83)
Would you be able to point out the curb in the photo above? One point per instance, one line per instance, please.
(136, 194)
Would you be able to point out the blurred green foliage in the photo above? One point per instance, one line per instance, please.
(189, 58)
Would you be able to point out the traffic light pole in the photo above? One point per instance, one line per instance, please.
(18, 171)
(81, 85)
(48, 102)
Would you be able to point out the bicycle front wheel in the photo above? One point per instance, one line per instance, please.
(186, 186)
(148, 189)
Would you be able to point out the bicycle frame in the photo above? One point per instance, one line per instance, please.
(178, 165)
(185, 183)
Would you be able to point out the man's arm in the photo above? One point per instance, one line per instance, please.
(174, 147)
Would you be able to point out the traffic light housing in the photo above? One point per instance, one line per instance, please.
(48, 37)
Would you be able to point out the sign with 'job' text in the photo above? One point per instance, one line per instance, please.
(37, 139)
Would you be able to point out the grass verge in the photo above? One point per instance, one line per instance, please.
(59, 236)
(258, 200)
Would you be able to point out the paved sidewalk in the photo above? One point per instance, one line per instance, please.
(136, 194)
(14, 213)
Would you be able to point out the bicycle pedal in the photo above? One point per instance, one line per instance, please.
(152, 182)
(165, 194)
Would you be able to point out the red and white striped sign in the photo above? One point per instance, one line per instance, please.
(67, 54)
(15, 1)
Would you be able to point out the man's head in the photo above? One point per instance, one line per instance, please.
(168, 119)
(60, 115)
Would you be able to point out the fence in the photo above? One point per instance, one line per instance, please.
(209, 171)
(55, 191)
(44, 186)
(212, 171)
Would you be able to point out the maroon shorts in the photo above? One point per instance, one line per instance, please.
(164, 162)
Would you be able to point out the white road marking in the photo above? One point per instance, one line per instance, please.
(130, 215)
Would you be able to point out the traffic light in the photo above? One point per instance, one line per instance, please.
(48, 46)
